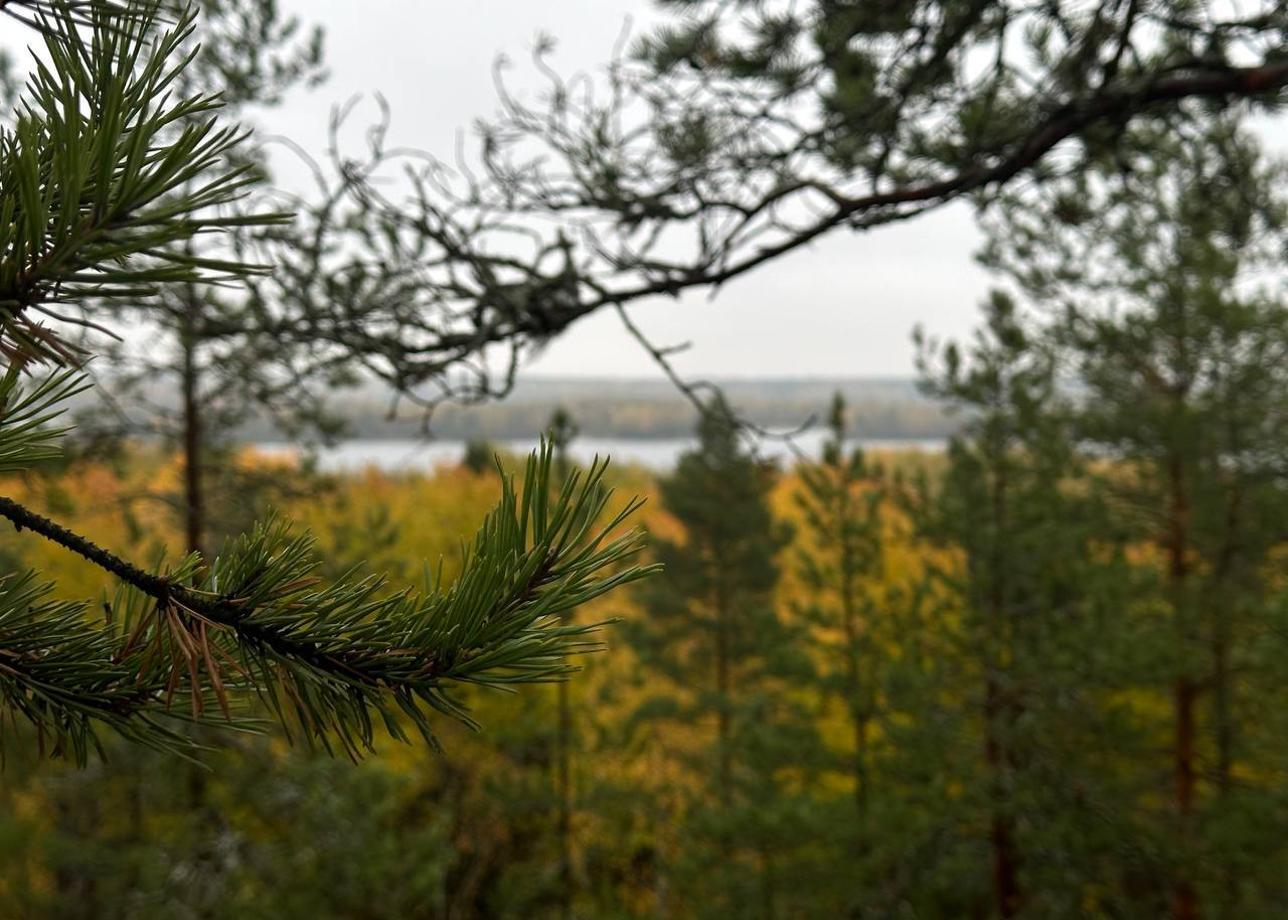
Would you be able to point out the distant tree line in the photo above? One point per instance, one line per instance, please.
(673, 417)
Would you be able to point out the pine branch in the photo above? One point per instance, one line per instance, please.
(330, 658)
(36, 14)
(63, 675)
(104, 176)
(688, 170)
(104, 179)
(25, 519)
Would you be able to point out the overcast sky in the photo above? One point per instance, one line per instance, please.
(844, 307)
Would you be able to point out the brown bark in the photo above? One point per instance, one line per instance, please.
(194, 499)
(1007, 893)
(1221, 704)
(1185, 690)
(1184, 899)
(723, 683)
(998, 714)
(1223, 639)
(194, 510)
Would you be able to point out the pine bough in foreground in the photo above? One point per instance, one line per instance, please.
(332, 661)
(106, 176)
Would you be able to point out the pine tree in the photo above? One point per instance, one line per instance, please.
(221, 349)
(562, 431)
(479, 457)
(713, 637)
(841, 501)
(107, 177)
(1033, 571)
(1155, 262)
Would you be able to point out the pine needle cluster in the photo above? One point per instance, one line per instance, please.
(107, 175)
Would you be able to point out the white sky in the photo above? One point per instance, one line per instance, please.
(845, 307)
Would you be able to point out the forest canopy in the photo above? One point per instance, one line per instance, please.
(1037, 673)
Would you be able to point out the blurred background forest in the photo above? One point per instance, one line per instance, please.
(1003, 636)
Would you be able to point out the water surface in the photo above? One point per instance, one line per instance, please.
(659, 454)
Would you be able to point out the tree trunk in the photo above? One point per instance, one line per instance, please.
(563, 746)
(861, 764)
(1006, 877)
(1224, 731)
(1185, 690)
(854, 687)
(194, 527)
(194, 499)
(999, 714)
(564, 757)
(859, 710)
(723, 682)
(1221, 706)
(1184, 899)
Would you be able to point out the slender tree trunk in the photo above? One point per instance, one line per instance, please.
(194, 527)
(859, 714)
(563, 748)
(1184, 899)
(194, 499)
(722, 715)
(564, 756)
(723, 686)
(854, 678)
(1221, 706)
(1185, 690)
(999, 715)
(1006, 881)
(724, 731)
(1222, 716)
(1226, 582)
(861, 764)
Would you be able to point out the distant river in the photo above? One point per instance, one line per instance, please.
(654, 453)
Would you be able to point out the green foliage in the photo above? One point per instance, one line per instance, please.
(842, 571)
(270, 836)
(98, 173)
(109, 175)
(1041, 585)
(342, 658)
(713, 633)
(480, 457)
(330, 658)
(1152, 276)
(215, 356)
(1044, 682)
